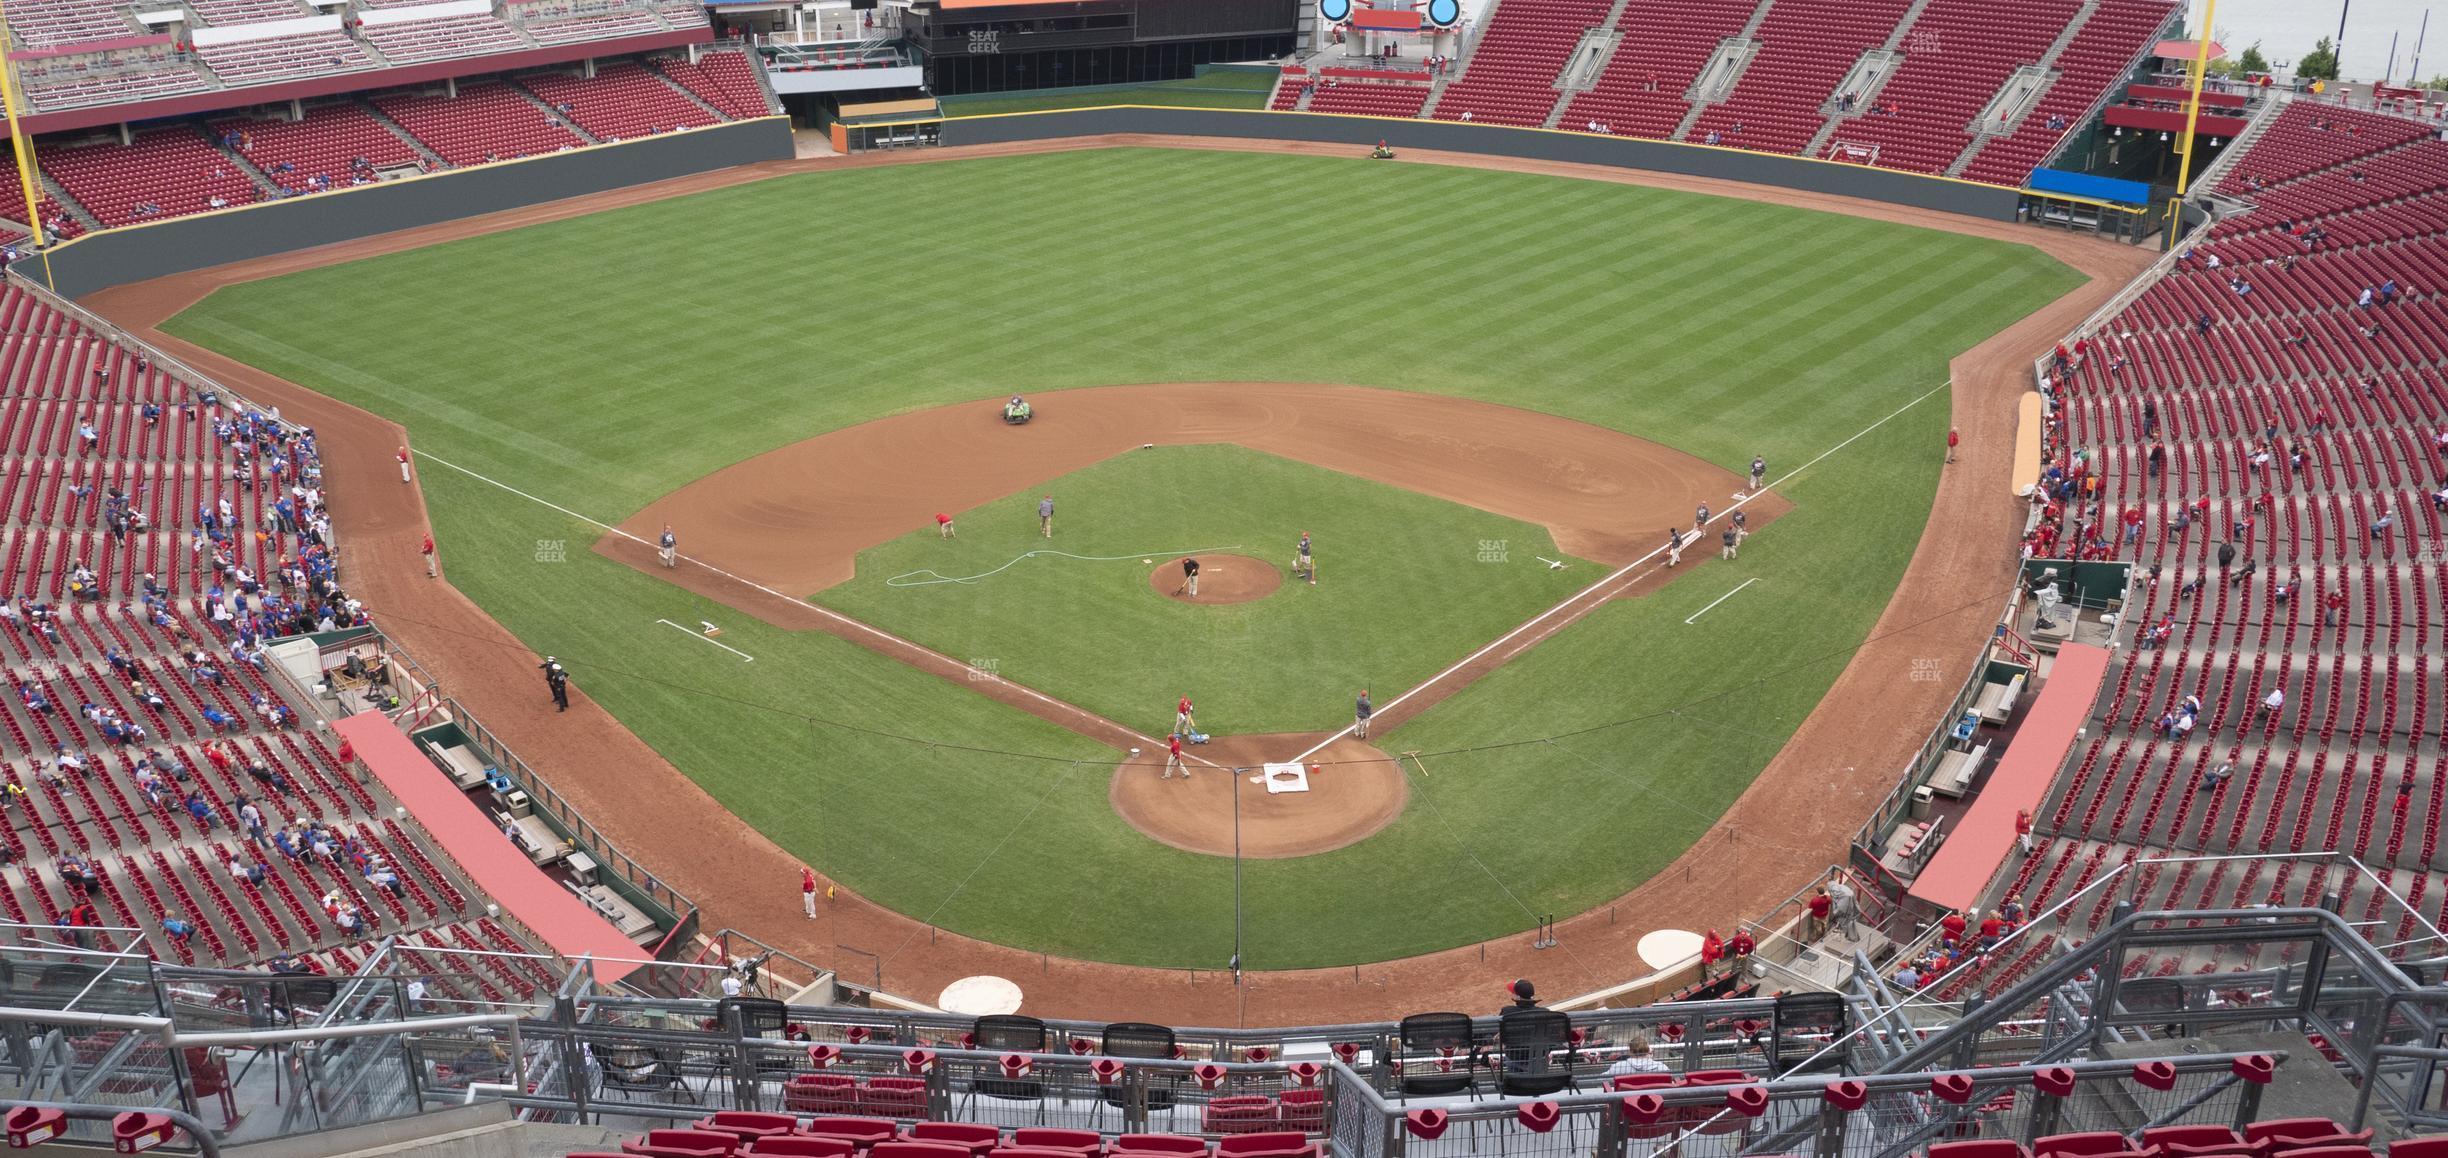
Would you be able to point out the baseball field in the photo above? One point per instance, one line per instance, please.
(1312, 342)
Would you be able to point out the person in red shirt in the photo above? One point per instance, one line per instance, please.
(347, 755)
(428, 551)
(807, 890)
(943, 525)
(1820, 906)
(1952, 439)
(2333, 606)
(1740, 946)
(1183, 724)
(1953, 923)
(402, 455)
(1991, 929)
(2023, 827)
(1712, 950)
(1173, 759)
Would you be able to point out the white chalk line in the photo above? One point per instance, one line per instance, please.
(910, 578)
(801, 604)
(1619, 573)
(701, 636)
(1721, 599)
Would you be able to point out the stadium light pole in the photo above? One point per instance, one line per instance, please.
(2201, 72)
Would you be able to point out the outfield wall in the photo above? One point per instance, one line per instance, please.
(1946, 194)
(112, 257)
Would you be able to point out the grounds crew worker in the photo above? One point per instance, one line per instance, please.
(557, 679)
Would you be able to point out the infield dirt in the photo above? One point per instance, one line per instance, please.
(1845, 756)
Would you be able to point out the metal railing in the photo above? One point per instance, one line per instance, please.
(583, 833)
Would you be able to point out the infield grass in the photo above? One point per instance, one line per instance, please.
(577, 364)
(1405, 589)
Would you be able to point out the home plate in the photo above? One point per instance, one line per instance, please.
(1284, 778)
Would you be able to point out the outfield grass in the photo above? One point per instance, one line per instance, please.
(1724, 328)
(1408, 594)
(1215, 89)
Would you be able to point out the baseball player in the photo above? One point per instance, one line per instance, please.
(668, 547)
(1700, 517)
(807, 890)
(432, 569)
(1732, 539)
(1361, 711)
(1183, 724)
(1674, 546)
(1759, 472)
(1303, 563)
(402, 455)
(1190, 570)
(1742, 528)
(1045, 516)
(1173, 759)
(943, 525)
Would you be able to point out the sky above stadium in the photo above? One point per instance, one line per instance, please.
(2286, 29)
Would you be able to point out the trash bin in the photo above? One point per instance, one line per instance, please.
(1923, 798)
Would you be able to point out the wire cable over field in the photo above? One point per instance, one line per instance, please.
(910, 578)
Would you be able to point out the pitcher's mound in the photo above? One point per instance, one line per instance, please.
(1222, 579)
(1354, 790)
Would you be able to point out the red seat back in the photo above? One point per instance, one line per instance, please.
(863, 1131)
(1058, 1138)
(682, 1144)
(2079, 1145)
(1159, 1144)
(748, 1124)
(917, 1150)
(802, 1146)
(974, 1136)
(1269, 1142)
(1979, 1148)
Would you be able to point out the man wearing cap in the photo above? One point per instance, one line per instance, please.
(557, 680)
(1524, 995)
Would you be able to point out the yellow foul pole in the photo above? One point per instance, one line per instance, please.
(2201, 72)
(23, 146)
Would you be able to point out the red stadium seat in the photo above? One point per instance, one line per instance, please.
(748, 1125)
(802, 1146)
(974, 1137)
(682, 1144)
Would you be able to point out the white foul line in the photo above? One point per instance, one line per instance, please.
(802, 604)
(1721, 599)
(700, 635)
(1619, 573)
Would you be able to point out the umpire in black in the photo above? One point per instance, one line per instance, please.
(557, 679)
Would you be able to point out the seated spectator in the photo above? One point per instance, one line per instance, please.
(178, 928)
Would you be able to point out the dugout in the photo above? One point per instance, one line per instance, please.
(2081, 201)
(907, 124)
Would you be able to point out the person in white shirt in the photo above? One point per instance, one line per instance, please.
(1637, 1060)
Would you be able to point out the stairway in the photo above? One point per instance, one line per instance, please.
(75, 210)
(693, 98)
(264, 184)
(433, 160)
(546, 108)
(1894, 41)
(1750, 31)
(2048, 62)
(1462, 62)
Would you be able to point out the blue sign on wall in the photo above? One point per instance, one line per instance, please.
(2086, 185)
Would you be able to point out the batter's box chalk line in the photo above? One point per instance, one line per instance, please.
(706, 636)
(933, 577)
